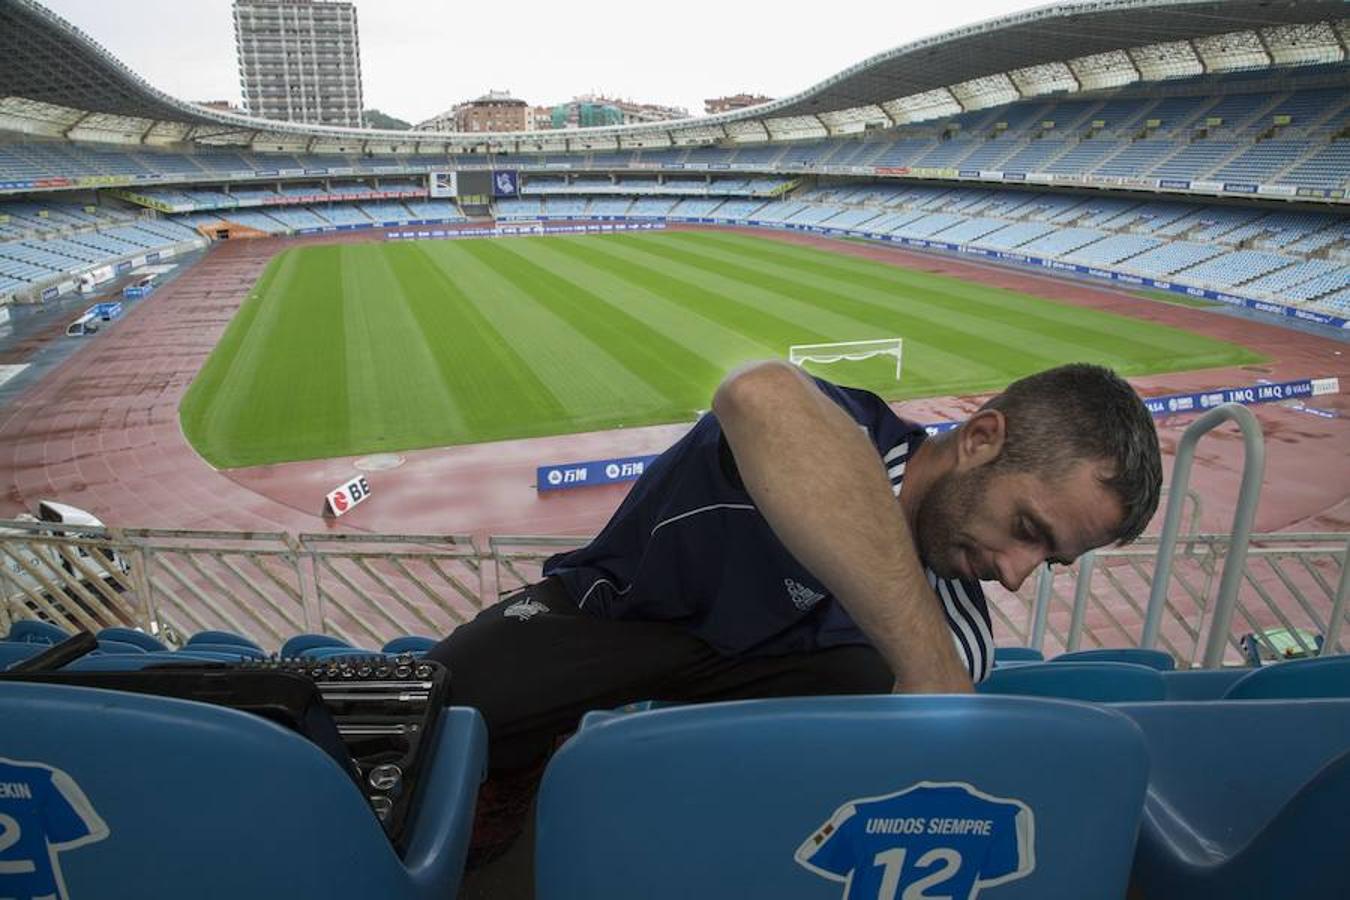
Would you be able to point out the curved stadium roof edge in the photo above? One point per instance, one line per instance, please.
(46, 59)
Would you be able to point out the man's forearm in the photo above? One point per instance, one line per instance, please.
(820, 485)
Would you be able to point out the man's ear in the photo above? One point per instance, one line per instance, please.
(980, 439)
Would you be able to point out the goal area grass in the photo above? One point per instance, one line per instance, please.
(345, 349)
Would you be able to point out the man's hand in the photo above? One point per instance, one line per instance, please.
(821, 486)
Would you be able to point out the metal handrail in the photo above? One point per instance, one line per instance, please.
(1253, 471)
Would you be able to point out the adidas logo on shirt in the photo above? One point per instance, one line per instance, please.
(802, 596)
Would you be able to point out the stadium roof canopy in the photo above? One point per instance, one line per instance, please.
(55, 80)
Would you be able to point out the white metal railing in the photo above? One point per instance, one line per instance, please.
(369, 588)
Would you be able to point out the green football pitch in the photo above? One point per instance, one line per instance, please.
(360, 348)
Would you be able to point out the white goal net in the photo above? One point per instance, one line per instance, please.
(847, 350)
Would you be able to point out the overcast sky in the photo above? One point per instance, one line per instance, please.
(420, 57)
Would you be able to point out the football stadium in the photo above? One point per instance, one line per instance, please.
(284, 406)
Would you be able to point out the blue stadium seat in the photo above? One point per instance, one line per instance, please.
(1098, 682)
(1325, 676)
(132, 636)
(237, 651)
(1246, 801)
(34, 631)
(410, 644)
(712, 800)
(17, 651)
(296, 645)
(163, 798)
(1017, 654)
(1201, 684)
(221, 637)
(105, 646)
(1154, 659)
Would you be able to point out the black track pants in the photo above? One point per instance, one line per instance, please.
(533, 663)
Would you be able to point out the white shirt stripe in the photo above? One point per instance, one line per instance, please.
(975, 655)
(896, 452)
(986, 637)
(896, 471)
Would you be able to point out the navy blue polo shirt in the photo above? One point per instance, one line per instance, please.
(688, 546)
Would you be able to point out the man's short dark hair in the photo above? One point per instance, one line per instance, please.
(1066, 415)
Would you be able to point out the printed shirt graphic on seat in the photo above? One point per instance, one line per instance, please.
(688, 546)
(930, 840)
(42, 812)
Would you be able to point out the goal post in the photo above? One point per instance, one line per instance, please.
(854, 351)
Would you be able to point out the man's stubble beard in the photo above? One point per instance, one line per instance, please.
(951, 501)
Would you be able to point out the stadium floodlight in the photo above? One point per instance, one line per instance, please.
(854, 351)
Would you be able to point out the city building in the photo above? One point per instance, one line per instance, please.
(733, 101)
(594, 110)
(494, 111)
(299, 60)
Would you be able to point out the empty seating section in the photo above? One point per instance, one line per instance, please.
(1137, 158)
(385, 211)
(1111, 250)
(1014, 235)
(439, 210)
(1169, 258)
(1060, 242)
(1232, 269)
(519, 208)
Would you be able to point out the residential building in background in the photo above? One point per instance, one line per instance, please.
(299, 60)
(499, 111)
(733, 101)
(595, 110)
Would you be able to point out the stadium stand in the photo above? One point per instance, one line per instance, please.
(1171, 161)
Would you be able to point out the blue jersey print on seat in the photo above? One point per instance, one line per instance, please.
(930, 840)
(42, 812)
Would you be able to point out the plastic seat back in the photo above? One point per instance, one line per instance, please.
(411, 643)
(120, 647)
(221, 638)
(1097, 682)
(295, 646)
(1154, 659)
(777, 798)
(1325, 676)
(145, 795)
(34, 631)
(132, 636)
(237, 651)
(1234, 807)
(1201, 684)
(1017, 654)
(17, 651)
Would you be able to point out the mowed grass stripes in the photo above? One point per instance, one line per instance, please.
(360, 348)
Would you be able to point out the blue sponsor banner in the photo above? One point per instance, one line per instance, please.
(123, 267)
(584, 474)
(50, 293)
(968, 173)
(1274, 392)
(1175, 184)
(1014, 176)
